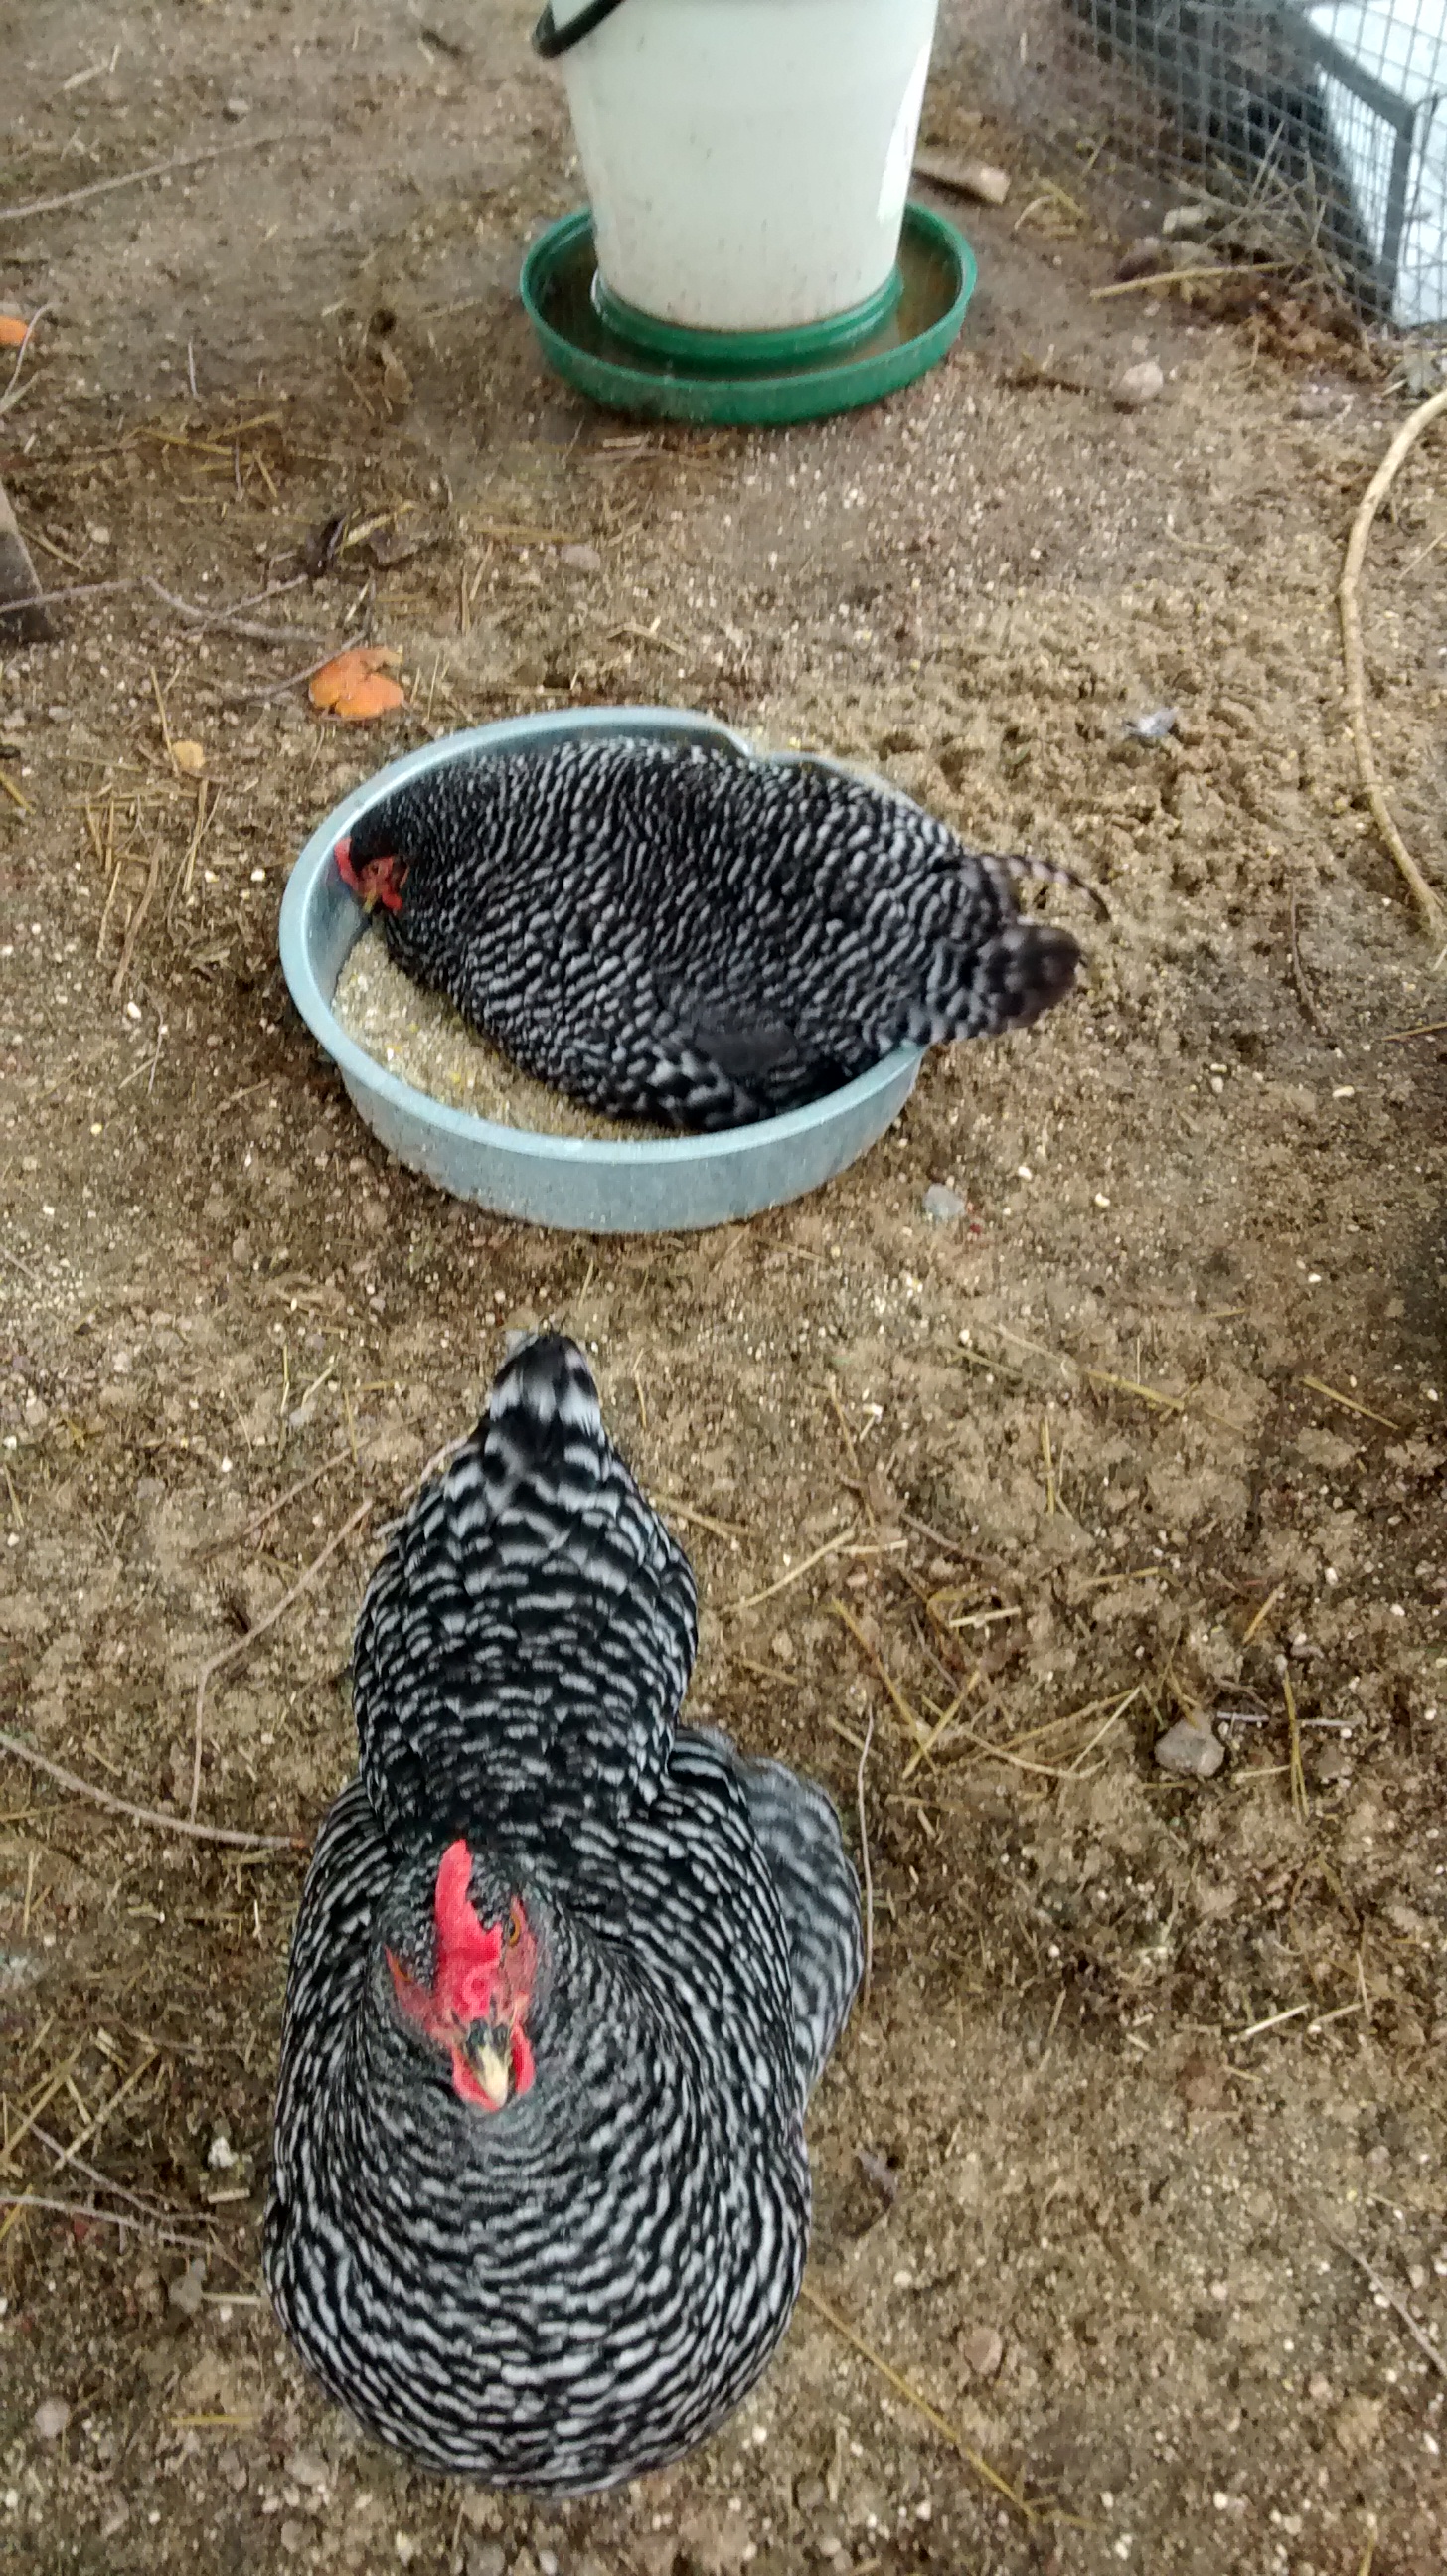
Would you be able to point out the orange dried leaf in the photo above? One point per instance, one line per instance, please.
(12, 330)
(354, 685)
(374, 696)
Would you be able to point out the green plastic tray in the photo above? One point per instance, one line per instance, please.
(734, 378)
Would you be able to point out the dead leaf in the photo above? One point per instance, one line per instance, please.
(13, 330)
(354, 685)
(189, 758)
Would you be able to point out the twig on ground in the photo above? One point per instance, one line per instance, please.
(1223, 274)
(50, 2086)
(699, 1520)
(913, 1721)
(258, 1521)
(225, 622)
(1272, 2021)
(76, 590)
(1258, 1618)
(242, 1645)
(134, 926)
(806, 1565)
(1154, 1395)
(922, 1752)
(16, 2201)
(865, 1872)
(23, 617)
(850, 1452)
(1304, 993)
(112, 2103)
(13, 388)
(134, 178)
(922, 2406)
(1293, 1729)
(79, 1788)
(1428, 902)
(1349, 1404)
(67, 2155)
(1399, 2307)
(1041, 1770)
(17, 1264)
(951, 1546)
(280, 688)
(205, 817)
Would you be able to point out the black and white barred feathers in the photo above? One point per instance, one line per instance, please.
(684, 935)
(563, 1977)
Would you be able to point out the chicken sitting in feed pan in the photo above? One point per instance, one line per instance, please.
(682, 935)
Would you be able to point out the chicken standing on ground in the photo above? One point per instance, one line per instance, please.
(562, 1981)
(685, 935)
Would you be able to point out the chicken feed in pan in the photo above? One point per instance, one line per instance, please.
(420, 1038)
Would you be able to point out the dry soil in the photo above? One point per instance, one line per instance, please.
(1132, 2166)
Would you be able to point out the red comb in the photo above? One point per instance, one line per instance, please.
(457, 1925)
(467, 1955)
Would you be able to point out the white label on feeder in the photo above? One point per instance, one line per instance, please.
(899, 160)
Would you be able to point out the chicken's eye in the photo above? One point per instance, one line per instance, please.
(513, 1928)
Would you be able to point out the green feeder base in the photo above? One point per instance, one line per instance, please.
(633, 362)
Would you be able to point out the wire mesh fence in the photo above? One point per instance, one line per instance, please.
(1320, 124)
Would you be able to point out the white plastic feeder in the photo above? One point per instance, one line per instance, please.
(747, 160)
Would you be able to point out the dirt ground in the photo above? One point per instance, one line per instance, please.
(1132, 2166)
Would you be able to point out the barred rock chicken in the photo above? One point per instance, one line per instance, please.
(562, 1980)
(684, 935)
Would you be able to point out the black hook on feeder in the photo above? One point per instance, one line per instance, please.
(550, 40)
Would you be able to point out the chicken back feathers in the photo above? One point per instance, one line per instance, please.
(561, 1981)
(683, 934)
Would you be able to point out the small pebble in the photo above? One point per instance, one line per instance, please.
(942, 1204)
(51, 2418)
(185, 2291)
(484, 2558)
(1191, 1752)
(1185, 221)
(878, 2170)
(221, 2154)
(236, 108)
(580, 558)
(1138, 385)
(984, 2350)
(1155, 726)
(1141, 259)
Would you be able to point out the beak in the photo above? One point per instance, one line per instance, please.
(492, 2074)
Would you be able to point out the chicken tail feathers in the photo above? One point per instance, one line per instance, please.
(525, 1644)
